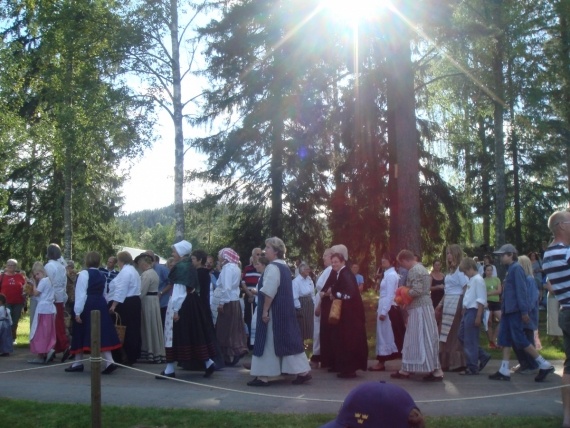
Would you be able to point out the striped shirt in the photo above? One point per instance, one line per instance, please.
(557, 269)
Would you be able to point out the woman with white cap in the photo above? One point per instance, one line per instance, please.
(188, 333)
(230, 329)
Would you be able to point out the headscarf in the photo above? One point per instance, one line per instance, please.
(229, 255)
(183, 248)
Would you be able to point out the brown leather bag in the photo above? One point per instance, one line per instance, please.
(335, 313)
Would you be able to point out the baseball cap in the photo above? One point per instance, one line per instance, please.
(507, 248)
(373, 405)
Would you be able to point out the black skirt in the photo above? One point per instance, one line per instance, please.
(193, 336)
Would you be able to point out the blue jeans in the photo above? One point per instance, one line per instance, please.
(469, 336)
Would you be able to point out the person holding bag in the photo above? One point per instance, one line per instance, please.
(349, 332)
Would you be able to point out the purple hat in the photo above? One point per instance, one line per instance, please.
(373, 405)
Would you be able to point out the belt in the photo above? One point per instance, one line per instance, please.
(152, 293)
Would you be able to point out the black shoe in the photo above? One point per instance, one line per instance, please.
(484, 362)
(257, 382)
(210, 370)
(542, 373)
(163, 375)
(72, 369)
(65, 355)
(499, 376)
(110, 369)
(299, 380)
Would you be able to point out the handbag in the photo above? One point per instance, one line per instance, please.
(336, 310)
(121, 329)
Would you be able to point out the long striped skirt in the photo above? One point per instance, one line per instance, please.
(421, 342)
(305, 317)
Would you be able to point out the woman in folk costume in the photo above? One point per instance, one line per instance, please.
(316, 357)
(390, 328)
(152, 333)
(230, 329)
(89, 296)
(451, 353)
(188, 333)
(349, 335)
(278, 345)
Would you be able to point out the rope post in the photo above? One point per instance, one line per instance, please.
(95, 369)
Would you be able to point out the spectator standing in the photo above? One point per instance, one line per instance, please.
(359, 278)
(303, 291)
(6, 340)
(12, 286)
(556, 265)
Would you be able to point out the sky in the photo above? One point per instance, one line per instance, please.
(151, 182)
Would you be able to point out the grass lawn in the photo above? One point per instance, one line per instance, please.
(20, 413)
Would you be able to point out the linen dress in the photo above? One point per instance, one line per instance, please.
(450, 349)
(421, 345)
(152, 334)
(42, 331)
(278, 345)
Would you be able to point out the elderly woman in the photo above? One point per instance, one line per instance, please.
(125, 299)
(451, 351)
(188, 333)
(349, 335)
(152, 334)
(230, 328)
(278, 345)
(303, 290)
(12, 286)
(421, 346)
(89, 296)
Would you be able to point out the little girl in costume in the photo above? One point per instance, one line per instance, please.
(6, 339)
(42, 330)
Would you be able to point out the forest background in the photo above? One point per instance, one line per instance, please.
(413, 124)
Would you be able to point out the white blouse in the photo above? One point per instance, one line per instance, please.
(454, 283)
(229, 281)
(127, 283)
(302, 287)
(388, 287)
(58, 277)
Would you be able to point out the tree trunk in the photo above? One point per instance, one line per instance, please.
(563, 9)
(498, 77)
(178, 131)
(276, 174)
(403, 141)
(485, 186)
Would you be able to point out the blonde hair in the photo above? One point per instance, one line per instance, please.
(456, 254)
(466, 264)
(526, 264)
(38, 267)
(278, 246)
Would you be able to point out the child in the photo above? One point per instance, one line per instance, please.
(6, 339)
(42, 330)
(474, 302)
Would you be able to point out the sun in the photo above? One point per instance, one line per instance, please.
(354, 10)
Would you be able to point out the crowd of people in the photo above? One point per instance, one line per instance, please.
(191, 313)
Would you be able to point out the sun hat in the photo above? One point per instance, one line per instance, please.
(373, 405)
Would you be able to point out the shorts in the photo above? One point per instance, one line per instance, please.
(511, 331)
(494, 306)
(564, 323)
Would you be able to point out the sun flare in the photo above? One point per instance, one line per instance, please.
(354, 10)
